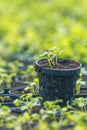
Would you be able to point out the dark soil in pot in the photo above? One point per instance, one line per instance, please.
(18, 84)
(18, 91)
(84, 77)
(83, 91)
(59, 82)
(62, 64)
(16, 111)
(7, 98)
(37, 107)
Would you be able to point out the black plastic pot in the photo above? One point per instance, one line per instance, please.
(6, 90)
(80, 95)
(1, 91)
(83, 87)
(13, 84)
(8, 102)
(14, 90)
(57, 83)
(14, 109)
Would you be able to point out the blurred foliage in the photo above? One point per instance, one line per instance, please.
(27, 27)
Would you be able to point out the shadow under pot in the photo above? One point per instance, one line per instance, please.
(18, 91)
(60, 82)
(7, 100)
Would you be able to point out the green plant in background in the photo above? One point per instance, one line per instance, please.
(3, 76)
(15, 66)
(52, 55)
(51, 110)
(32, 86)
(3, 63)
(6, 120)
(75, 119)
(27, 102)
(24, 34)
(68, 117)
(6, 79)
(28, 74)
(52, 104)
(81, 103)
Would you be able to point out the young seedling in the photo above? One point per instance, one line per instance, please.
(33, 86)
(80, 102)
(15, 66)
(5, 99)
(52, 56)
(6, 79)
(3, 76)
(29, 73)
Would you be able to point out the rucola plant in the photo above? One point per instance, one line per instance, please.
(52, 56)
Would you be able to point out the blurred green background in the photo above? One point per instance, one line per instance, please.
(27, 27)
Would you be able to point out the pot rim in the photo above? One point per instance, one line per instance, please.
(80, 95)
(2, 91)
(10, 95)
(16, 88)
(52, 69)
